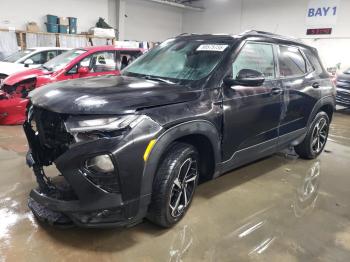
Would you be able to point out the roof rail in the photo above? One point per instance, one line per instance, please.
(183, 34)
(268, 34)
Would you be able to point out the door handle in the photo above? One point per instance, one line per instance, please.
(276, 91)
(316, 85)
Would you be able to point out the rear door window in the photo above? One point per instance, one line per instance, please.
(125, 58)
(48, 55)
(255, 56)
(291, 62)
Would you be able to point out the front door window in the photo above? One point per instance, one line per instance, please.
(100, 62)
(258, 57)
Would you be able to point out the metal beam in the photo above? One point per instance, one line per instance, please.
(178, 5)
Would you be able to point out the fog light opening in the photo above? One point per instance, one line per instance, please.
(100, 164)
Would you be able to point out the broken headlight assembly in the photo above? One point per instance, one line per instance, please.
(82, 125)
(101, 169)
(92, 128)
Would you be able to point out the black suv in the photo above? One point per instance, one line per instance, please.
(189, 110)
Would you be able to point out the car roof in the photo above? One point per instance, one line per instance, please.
(109, 47)
(247, 34)
(44, 48)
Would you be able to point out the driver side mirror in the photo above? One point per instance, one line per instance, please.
(28, 62)
(83, 70)
(246, 77)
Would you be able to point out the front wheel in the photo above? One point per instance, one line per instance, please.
(315, 139)
(174, 185)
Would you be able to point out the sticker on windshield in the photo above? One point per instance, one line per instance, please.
(213, 48)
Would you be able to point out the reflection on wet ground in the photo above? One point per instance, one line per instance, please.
(277, 209)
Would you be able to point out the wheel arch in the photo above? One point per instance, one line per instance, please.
(200, 133)
(326, 104)
(328, 109)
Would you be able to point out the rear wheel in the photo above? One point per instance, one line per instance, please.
(174, 185)
(316, 138)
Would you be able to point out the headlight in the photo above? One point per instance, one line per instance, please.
(83, 124)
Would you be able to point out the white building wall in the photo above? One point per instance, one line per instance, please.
(220, 16)
(148, 21)
(113, 13)
(288, 17)
(17, 13)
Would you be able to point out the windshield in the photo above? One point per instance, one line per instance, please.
(61, 61)
(179, 60)
(18, 55)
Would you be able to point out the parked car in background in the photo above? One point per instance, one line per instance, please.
(189, 110)
(28, 58)
(342, 81)
(76, 63)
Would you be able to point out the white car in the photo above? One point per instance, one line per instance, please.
(28, 58)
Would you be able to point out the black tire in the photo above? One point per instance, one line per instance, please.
(169, 189)
(307, 149)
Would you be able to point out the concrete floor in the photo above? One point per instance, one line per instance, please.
(278, 209)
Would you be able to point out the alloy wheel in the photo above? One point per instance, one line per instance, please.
(183, 187)
(319, 135)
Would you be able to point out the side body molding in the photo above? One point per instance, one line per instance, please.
(196, 127)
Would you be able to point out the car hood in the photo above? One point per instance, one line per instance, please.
(24, 75)
(11, 68)
(109, 95)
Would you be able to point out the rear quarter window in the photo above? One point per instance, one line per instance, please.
(314, 60)
(291, 62)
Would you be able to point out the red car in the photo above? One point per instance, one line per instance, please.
(77, 63)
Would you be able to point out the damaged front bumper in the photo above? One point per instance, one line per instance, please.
(78, 195)
(12, 111)
(77, 200)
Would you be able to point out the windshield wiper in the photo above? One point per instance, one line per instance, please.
(47, 68)
(148, 77)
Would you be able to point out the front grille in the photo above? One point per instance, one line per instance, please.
(343, 84)
(343, 98)
(53, 138)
